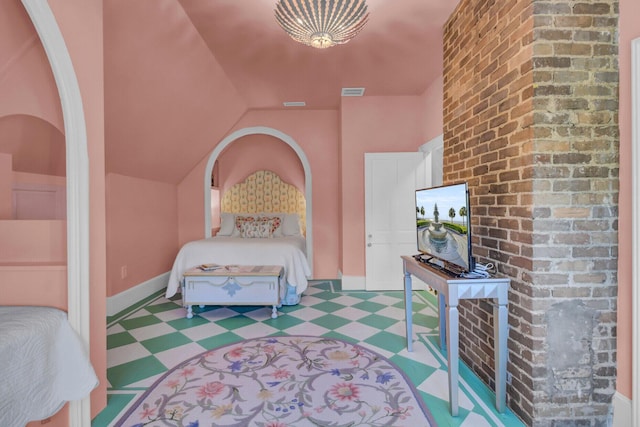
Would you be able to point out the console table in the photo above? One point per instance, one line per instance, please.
(450, 292)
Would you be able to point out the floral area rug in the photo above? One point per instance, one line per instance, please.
(282, 381)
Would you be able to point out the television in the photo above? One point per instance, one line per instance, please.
(443, 229)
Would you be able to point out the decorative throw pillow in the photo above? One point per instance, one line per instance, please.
(257, 229)
(238, 224)
(276, 230)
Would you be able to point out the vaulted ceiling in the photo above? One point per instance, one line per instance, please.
(397, 53)
(179, 71)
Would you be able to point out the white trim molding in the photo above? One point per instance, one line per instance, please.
(263, 130)
(121, 301)
(353, 283)
(621, 411)
(77, 182)
(635, 226)
(433, 153)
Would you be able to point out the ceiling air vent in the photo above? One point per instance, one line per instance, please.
(294, 104)
(352, 91)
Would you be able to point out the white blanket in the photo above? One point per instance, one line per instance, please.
(43, 364)
(285, 251)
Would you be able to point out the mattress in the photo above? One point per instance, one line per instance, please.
(43, 364)
(288, 251)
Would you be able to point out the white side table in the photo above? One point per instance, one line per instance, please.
(450, 292)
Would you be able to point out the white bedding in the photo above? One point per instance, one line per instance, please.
(285, 251)
(43, 364)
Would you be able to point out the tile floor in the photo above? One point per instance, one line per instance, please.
(152, 336)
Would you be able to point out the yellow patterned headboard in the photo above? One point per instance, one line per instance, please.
(264, 191)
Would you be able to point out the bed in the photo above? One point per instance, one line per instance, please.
(43, 364)
(262, 223)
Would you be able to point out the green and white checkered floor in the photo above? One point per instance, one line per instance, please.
(153, 336)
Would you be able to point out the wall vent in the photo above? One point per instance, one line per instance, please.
(294, 104)
(352, 91)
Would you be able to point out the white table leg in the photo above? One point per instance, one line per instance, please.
(408, 309)
(189, 312)
(274, 313)
(452, 357)
(500, 332)
(442, 321)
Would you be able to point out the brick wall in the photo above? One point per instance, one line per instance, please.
(530, 122)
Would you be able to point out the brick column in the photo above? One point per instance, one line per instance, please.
(530, 117)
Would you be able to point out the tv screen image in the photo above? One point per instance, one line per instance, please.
(442, 226)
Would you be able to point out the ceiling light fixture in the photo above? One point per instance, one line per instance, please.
(322, 23)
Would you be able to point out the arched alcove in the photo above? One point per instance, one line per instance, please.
(36, 145)
(287, 140)
(35, 159)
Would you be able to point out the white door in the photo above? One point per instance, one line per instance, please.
(390, 215)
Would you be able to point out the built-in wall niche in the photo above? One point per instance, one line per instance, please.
(38, 201)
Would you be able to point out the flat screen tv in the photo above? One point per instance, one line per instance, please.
(443, 229)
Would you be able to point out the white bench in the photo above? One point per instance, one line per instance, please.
(233, 285)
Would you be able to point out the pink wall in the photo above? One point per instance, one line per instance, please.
(80, 22)
(176, 104)
(31, 278)
(371, 125)
(6, 179)
(629, 29)
(33, 241)
(257, 152)
(142, 230)
(432, 98)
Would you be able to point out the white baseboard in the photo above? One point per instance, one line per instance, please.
(622, 410)
(359, 283)
(353, 283)
(119, 302)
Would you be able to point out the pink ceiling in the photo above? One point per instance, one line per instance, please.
(397, 53)
(15, 31)
(30, 114)
(167, 99)
(180, 73)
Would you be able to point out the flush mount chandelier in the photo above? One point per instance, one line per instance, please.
(322, 23)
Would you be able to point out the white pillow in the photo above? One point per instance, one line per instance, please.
(291, 225)
(227, 223)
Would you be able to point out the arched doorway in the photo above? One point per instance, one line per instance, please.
(287, 140)
(77, 181)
